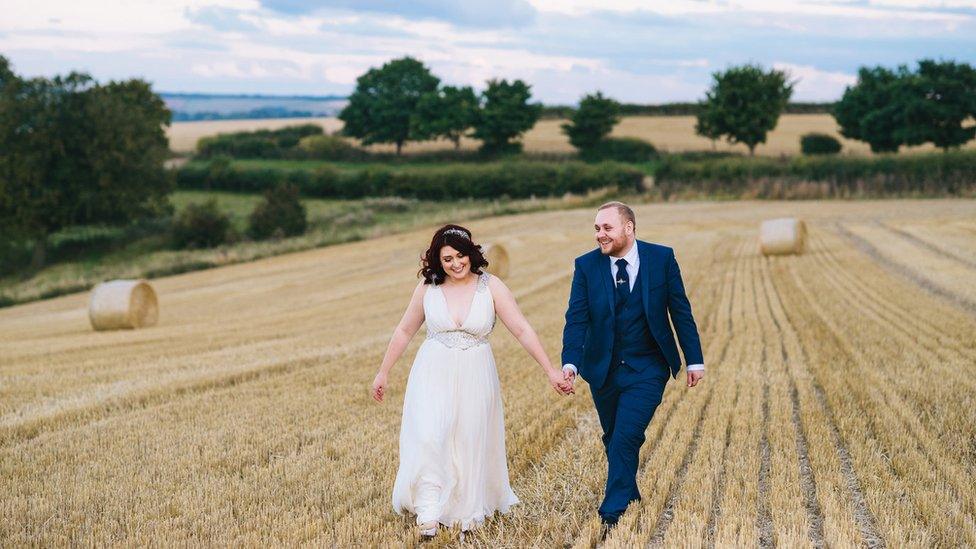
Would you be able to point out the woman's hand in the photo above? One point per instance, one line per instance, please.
(559, 383)
(379, 387)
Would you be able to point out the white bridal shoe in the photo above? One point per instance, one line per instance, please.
(428, 529)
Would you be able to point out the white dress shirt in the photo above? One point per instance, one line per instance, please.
(633, 263)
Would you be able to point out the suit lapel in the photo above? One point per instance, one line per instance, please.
(604, 265)
(642, 274)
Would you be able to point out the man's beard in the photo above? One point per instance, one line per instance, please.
(616, 248)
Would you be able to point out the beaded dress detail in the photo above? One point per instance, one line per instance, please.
(463, 337)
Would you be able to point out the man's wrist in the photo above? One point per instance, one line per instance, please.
(696, 367)
(571, 368)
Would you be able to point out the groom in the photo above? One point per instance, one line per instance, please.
(618, 339)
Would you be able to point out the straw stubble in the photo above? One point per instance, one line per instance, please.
(836, 408)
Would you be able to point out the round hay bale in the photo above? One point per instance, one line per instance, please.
(497, 258)
(118, 304)
(785, 235)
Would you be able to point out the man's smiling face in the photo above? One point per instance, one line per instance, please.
(613, 234)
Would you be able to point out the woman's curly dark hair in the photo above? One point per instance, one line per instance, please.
(430, 262)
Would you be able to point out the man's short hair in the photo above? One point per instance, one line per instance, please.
(624, 210)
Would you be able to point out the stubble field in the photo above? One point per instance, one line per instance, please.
(670, 133)
(838, 406)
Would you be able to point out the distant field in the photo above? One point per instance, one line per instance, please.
(837, 410)
(672, 133)
(84, 256)
(183, 136)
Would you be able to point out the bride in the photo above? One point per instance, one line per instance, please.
(452, 436)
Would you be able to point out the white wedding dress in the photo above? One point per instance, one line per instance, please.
(452, 436)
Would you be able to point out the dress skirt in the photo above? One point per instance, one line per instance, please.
(453, 465)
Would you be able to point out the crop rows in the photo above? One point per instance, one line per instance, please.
(837, 410)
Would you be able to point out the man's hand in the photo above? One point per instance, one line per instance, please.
(694, 377)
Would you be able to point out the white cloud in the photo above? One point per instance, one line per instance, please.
(814, 84)
(77, 42)
(699, 62)
(292, 26)
(568, 88)
(133, 16)
(933, 4)
(883, 9)
(468, 13)
(582, 7)
(211, 70)
(632, 50)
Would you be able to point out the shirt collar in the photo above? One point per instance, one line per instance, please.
(631, 256)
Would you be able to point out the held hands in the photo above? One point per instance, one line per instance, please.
(379, 387)
(559, 382)
(694, 377)
(569, 376)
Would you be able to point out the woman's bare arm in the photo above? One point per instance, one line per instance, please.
(413, 317)
(511, 315)
(411, 321)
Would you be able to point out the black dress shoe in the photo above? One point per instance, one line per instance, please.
(605, 527)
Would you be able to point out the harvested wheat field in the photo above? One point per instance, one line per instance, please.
(183, 136)
(839, 405)
(669, 133)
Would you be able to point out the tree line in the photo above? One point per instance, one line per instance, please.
(885, 108)
(682, 109)
(403, 101)
(888, 108)
(75, 152)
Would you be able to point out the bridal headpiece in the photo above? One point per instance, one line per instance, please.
(458, 232)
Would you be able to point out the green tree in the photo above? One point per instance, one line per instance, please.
(873, 109)
(505, 114)
(201, 225)
(706, 126)
(6, 73)
(744, 104)
(819, 143)
(12, 167)
(941, 97)
(75, 152)
(280, 214)
(448, 113)
(592, 121)
(385, 101)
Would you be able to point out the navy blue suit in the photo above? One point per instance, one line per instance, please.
(623, 346)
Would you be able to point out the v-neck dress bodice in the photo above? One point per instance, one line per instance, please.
(475, 327)
(453, 466)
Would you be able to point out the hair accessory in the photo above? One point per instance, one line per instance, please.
(458, 232)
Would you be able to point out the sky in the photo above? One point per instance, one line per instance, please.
(633, 51)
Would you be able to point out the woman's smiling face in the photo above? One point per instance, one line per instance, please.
(456, 265)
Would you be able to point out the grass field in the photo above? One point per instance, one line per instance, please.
(671, 133)
(838, 408)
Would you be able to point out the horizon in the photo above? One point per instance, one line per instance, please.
(336, 97)
(250, 95)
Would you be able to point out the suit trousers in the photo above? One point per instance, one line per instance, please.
(625, 404)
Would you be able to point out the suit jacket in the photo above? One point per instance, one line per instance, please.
(588, 334)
